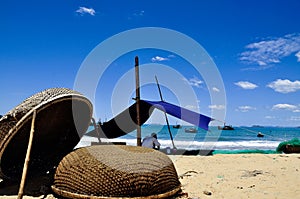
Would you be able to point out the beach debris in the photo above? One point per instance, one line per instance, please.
(252, 173)
(252, 186)
(240, 187)
(187, 174)
(208, 193)
(220, 176)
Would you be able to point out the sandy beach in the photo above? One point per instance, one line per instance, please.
(240, 176)
(235, 176)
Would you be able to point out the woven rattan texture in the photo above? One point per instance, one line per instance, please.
(116, 171)
(13, 116)
(55, 130)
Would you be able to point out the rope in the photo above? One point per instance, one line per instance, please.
(252, 131)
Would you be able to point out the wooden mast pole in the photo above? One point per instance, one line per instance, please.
(137, 90)
(161, 98)
(27, 158)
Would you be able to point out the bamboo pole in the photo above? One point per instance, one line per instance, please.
(137, 85)
(166, 117)
(27, 158)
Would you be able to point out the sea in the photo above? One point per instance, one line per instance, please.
(240, 140)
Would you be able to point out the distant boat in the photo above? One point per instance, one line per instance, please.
(226, 127)
(177, 126)
(260, 135)
(191, 130)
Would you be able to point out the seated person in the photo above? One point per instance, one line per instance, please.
(151, 142)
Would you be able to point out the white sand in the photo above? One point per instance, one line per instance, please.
(240, 176)
(236, 176)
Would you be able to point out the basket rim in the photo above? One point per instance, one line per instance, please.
(41, 106)
(68, 194)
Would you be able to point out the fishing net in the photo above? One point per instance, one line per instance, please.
(290, 146)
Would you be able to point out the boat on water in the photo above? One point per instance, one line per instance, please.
(260, 135)
(226, 127)
(191, 130)
(177, 126)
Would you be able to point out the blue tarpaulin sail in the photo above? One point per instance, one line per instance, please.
(126, 121)
(194, 118)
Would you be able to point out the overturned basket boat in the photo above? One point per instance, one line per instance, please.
(116, 171)
(291, 149)
(289, 146)
(62, 117)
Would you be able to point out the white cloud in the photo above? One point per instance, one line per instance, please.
(84, 10)
(171, 56)
(298, 56)
(192, 108)
(245, 108)
(215, 89)
(246, 85)
(139, 13)
(158, 59)
(284, 86)
(217, 107)
(295, 118)
(195, 82)
(288, 107)
(271, 51)
(270, 117)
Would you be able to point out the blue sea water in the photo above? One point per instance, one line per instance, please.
(241, 138)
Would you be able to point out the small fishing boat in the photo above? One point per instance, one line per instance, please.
(260, 135)
(191, 130)
(226, 127)
(177, 126)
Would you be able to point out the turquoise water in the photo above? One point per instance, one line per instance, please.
(231, 141)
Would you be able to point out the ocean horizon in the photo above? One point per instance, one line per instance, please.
(239, 139)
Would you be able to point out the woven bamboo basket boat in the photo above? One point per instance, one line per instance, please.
(291, 149)
(116, 171)
(62, 116)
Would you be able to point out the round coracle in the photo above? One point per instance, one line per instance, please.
(116, 171)
(62, 117)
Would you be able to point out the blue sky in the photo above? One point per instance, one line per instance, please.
(255, 46)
